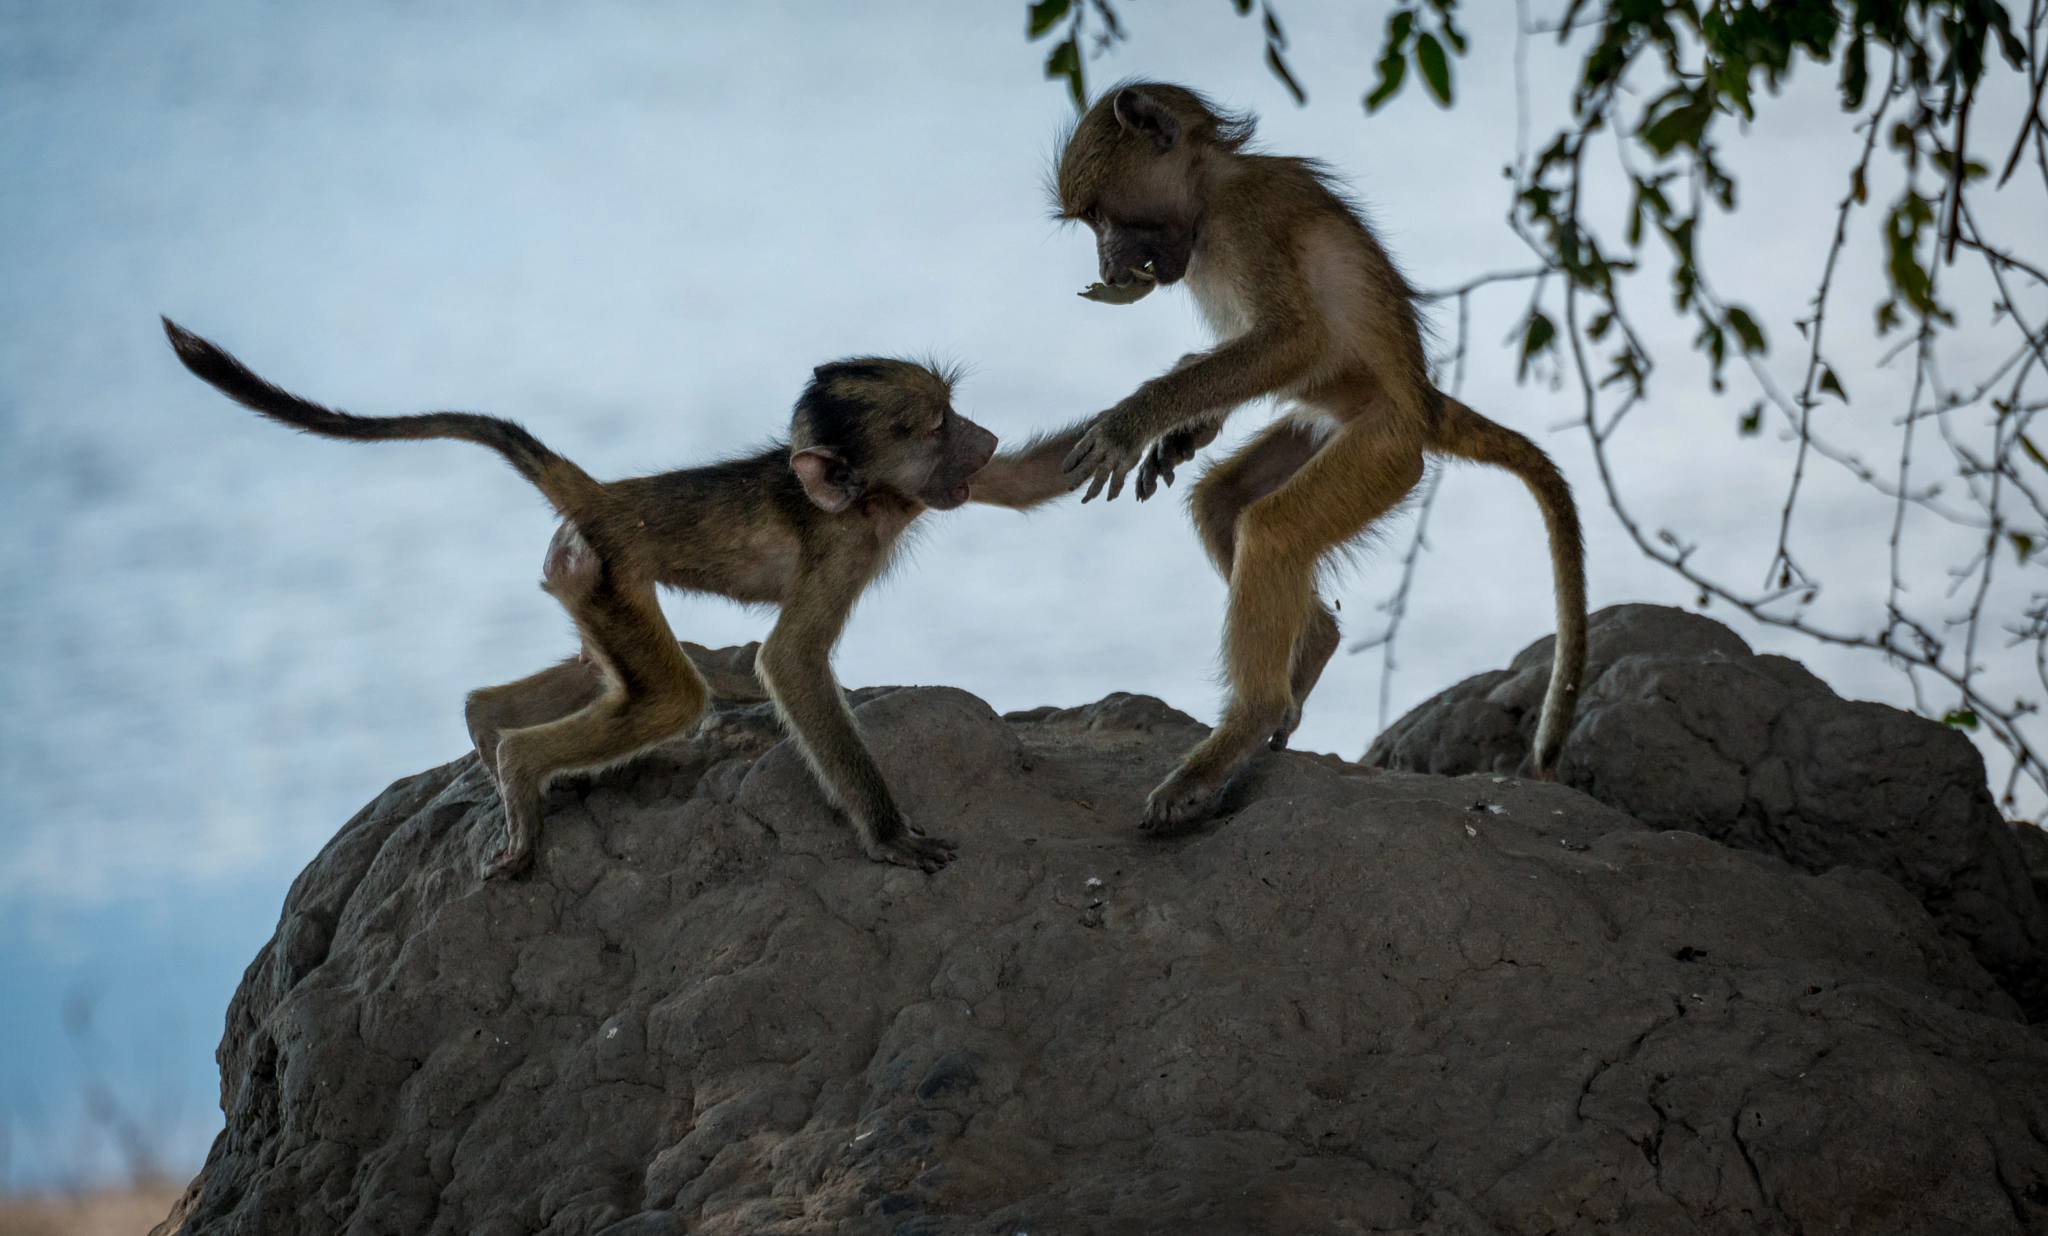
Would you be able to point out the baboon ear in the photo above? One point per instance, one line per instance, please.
(1147, 117)
(826, 479)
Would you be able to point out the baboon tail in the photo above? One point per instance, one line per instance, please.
(564, 484)
(1468, 435)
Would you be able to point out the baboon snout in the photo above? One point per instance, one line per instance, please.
(1134, 255)
(968, 451)
(981, 446)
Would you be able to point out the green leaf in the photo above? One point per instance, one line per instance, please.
(1242, 6)
(1539, 335)
(1279, 68)
(2033, 452)
(1452, 35)
(1961, 718)
(1273, 34)
(1832, 384)
(2022, 544)
(1436, 72)
(1065, 61)
(1046, 14)
(1910, 217)
(1679, 126)
(1752, 422)
(1747, 330)
(1392, 70)
(2009, 43)
(1855, 73)
(1714, 342)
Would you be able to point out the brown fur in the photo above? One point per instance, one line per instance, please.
(1307, 306)
(805, 526)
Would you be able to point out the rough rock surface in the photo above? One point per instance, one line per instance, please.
(1363, 1002)
(1681, 726)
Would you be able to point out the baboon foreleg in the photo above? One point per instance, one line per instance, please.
(795, 665)
(1273, 637)
(648, 692)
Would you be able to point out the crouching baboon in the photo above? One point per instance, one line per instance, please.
(805, 525)
(1306, 305)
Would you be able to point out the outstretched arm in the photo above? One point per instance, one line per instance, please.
(1030, 475)
(795, 665)
(1197, 393)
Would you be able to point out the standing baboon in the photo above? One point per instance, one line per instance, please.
(805, 525)
(1306, 305)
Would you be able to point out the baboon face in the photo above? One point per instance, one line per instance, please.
(1135, 248)
(1131, 173)
(874, 423)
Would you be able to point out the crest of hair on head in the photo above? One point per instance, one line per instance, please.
(1077, 165)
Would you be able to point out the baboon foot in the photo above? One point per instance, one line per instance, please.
(509, 861)
(1288, 724)
(1182, 799)
(913, 849)
(514, 856)
(1190, 792)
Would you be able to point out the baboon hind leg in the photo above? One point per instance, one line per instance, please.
(1220, 497)
(650, 692)
(1280, 539)
(550, 695)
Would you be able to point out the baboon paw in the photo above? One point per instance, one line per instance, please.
(927, 854)
(507, 863)
(1286, 730)
(510, 860)
(1179, 801)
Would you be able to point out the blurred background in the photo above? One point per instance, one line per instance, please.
(635, 225)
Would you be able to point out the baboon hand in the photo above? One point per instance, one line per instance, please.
(1105, 455)
(1173, 449)
(912, 848)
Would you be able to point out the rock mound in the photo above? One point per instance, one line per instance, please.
(1364, 1002)
(1681, 726)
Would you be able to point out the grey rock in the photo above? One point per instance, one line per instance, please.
(1364, 1002)
(1681, 726)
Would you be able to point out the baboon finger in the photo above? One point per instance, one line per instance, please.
(1078, 459)
(1148, 475)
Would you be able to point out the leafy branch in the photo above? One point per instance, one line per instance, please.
(1078, 20)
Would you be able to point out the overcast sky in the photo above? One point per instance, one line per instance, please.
(635, 227)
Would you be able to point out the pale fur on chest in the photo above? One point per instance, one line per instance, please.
(1331, 265)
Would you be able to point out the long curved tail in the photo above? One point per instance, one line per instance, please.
(1468, 435)
(565, 485)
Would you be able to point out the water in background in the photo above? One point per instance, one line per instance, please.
(634, 226)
